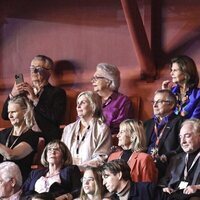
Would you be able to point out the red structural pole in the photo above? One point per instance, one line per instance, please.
(139, 39)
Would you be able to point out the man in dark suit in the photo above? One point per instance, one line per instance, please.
(163, 129)
(49, 101)
(116, 178)
(182, 179)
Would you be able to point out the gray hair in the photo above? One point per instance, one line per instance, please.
(112, 73)
(9, 170)
(24, 103)
(195, 124)
(48, 62)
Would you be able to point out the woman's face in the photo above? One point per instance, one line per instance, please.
(88, 182)
(54, 154)
(99, 82)
(83, 107)
(15, 114)
(177, 75)
(124, 138)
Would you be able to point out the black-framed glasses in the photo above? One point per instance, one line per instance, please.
(160, 101)
(37, 69)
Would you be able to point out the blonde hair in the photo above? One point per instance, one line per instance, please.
(136, 130)
(95, 103)
(25, 104)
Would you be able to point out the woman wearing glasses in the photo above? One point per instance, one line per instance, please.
(59, 175)
(116, 106)
(184, 84)
(132, 140)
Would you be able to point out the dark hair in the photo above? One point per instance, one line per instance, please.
(117, 166)
(189, 68)
(170, 95)
(43, 196)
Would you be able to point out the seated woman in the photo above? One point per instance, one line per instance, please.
(92, 185)
(19, 143)
(116, 106)
(89, 138)
(59, 175)
(132, 139)
(184, 85)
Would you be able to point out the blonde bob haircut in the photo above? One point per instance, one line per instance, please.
(137, 133)
(95, 103)
(66, 154)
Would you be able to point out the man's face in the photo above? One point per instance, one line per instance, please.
(162, 106)
(39, 75)
(190, 142)
(5, 188)
(111, 181)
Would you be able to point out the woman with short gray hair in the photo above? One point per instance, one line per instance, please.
(116, 106)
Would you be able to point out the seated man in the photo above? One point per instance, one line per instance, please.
(117, 179)
(49, 101)
(182, 180)
(162, 130)
(10, 181)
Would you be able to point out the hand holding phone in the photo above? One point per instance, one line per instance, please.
(19, 78)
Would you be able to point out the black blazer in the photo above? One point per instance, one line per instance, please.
(175, 171)
(140, 191)
(169, 142)
(49, 112)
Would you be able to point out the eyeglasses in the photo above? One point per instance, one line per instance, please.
(160, 101)
(96, 78)
(83, 180)
(37, 69)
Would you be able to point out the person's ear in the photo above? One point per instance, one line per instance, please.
(13, 182)
(120, 175)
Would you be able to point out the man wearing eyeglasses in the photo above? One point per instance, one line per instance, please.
(49, 101)
(162, 130)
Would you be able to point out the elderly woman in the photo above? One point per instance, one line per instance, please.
(19, 142)
(10, 181)
(92, 185)
(132, 140)
(184, 83)
(59, 175)
(116, 106)
(88, 138)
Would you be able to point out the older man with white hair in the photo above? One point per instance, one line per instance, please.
(10, 181)
(182, 179)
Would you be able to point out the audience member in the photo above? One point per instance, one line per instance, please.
(182, 180)
(89, 138)
(186, 79)
(19, 143)
(163, 129)
(116, 178)
(59, 175)
(49, 101)
(116, 106)
(92, 185)
(132, 139)
(10, 181)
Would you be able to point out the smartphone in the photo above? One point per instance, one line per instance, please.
(19, 78)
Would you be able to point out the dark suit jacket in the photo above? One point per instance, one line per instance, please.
(70, 182)
(49, 112)
(169, 142)
(175, 171)
(140, 191)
